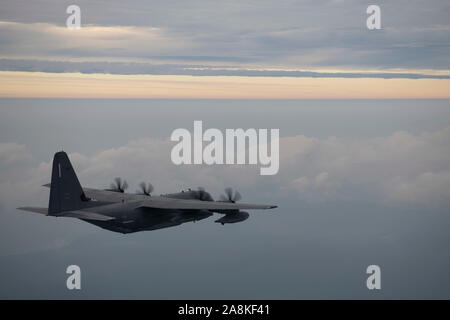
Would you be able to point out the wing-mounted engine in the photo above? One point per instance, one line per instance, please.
(146, 189)
(233, 217)
(118, 185)
(230, 196)
(199, 194)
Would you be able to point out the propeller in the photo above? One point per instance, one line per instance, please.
(119, 186)
(146, 189)
(229, 196)
(203, 195)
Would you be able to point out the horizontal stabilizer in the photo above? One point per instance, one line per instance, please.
(86, 215)
(35, 209)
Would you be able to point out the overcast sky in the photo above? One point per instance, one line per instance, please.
(169, 36)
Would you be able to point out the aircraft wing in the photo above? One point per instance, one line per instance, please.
(86, 215)
(183, 204)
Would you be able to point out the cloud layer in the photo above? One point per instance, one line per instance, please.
(131, 68)
(244, 35)
(402, 168)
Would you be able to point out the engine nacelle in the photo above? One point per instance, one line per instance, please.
(233, 217)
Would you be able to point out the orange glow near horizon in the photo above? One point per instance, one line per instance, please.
(76, 85)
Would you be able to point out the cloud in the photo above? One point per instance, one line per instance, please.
(430, 188)
(50, 40)
(298, 35)
(400, 168)
(130, 68)
(11, 153)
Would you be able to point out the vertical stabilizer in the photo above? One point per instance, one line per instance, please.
(66, 193)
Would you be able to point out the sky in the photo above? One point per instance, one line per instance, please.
(361, 182)
(364, 122)
(225, 44)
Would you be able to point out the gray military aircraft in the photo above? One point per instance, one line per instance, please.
(114, 209)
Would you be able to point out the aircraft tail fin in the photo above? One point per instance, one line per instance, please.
(66, 193)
